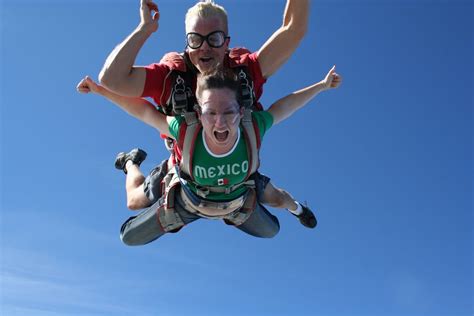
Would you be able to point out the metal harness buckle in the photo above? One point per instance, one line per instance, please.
(179, 99)
(246, 90)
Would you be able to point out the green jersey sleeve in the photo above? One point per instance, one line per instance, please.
(174, 125)
(264, 121)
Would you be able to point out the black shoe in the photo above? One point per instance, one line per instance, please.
(135, 155)
(307, 217)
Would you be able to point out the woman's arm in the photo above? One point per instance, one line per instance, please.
(285, 107)
(136, 107)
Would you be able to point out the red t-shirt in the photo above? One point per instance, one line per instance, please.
(158, 88)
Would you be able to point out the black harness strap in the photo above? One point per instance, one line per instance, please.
(182, 98)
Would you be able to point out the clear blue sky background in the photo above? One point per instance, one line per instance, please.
(386, 162)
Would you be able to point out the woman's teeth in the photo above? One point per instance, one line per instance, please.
(221, 136)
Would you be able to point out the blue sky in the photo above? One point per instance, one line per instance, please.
(385, 161)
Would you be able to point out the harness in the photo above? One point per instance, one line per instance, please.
(179, 85)
(239, 209)
(240, 67)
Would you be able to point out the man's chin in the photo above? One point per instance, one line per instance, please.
(206, 67)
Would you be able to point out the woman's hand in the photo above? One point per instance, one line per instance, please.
(332, 80)
(87, 85)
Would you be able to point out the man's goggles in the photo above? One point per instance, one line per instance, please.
(214, 39)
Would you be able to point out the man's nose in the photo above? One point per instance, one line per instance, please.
(205, 45)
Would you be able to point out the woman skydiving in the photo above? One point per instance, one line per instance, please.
(215, 177)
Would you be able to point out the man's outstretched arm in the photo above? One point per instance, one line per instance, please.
(279, 47)
(119, 73)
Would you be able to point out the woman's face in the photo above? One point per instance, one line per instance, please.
(220, 117)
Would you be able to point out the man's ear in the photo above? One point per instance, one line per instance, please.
(227, 42)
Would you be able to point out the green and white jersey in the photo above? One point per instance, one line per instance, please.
(222, 170)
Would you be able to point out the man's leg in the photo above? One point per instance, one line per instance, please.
(279, 198)
(130, 164)
(134, 185)
(141, 192)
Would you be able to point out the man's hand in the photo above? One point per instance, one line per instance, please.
(332, 80)
(149, 16)
(87, 85)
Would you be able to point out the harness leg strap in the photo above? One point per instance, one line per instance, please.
(239, 217)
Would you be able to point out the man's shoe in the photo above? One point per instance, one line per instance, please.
(307, 217)
(136, 155)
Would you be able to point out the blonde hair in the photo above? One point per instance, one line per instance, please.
(207, 9)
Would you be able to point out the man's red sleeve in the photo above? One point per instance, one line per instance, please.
(155, 81)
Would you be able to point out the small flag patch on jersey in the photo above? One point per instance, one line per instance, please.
(222, 181)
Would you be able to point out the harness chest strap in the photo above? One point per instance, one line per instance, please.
(178, 92)
(187, 138)
(252, 137)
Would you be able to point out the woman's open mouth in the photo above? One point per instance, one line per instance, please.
(221, 136)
